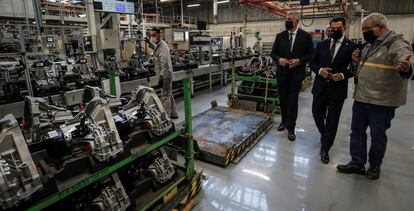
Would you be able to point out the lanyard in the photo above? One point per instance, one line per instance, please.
(368, 54)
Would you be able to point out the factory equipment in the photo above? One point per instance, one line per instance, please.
(53, 44)
(177, 39)
(18, 173)
(217, 48)
(40, 116)
(89, 44)
(139, 67)
(64, 149)
(45, 81)
(257, 66)
(87, 74)
(201, 47)
(148, 173)
(258, 83)
(12, 80)
(144, 111)
(107, 194)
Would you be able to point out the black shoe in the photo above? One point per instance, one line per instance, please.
(281, 127)
(291, 135)
(373, 173)
(351, 169)
(324, 157)
(174, 116)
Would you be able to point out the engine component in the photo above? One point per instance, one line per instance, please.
(161, 170)
(19, 178)
(112, 197)
(145, 109)
(91, 92)
(257, 65)
(95, 126)
(138, 67)
(107, 194)
(45, 82)
(148, 172)
(39, 117)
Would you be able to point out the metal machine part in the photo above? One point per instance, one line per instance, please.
(95, 126)
(12, 80)
(19, 178)
(112, 197)
(258, 65)
(147, 172)
(86, 73)
(177, 62)
(138, 67)
(92, 92)
(161, 170)
(40, 117)
(146, 109)
(45, 80)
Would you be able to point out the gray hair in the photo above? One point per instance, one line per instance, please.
(296, 15)
(378, 19)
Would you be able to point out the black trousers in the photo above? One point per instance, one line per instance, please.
(289, 88)
(326, 110)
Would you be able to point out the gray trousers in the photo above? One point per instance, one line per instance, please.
(167, 97)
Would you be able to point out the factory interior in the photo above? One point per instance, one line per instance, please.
(204, 105)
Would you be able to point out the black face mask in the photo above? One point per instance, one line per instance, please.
(335, 34)
(289, 25)
(369, 36)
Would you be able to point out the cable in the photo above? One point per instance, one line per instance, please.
(313, 14)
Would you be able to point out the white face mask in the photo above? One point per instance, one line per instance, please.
(154, 40)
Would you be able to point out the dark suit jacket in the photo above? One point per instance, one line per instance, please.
(341, 64)
(302, 49)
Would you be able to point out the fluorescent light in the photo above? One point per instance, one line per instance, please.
(193, 5)
(224, 1)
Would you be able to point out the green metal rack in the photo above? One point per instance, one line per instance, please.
(189, 164)
(274, 99)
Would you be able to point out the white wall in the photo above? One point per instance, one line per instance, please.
(269, 29)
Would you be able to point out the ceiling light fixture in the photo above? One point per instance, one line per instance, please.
(224, 1)
(193, 5)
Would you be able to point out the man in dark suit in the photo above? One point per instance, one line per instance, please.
(330, 62)
(291, 51)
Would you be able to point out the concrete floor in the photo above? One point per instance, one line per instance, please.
(281, 175)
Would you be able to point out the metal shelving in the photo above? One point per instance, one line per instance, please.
(180, 179)
(268, 98)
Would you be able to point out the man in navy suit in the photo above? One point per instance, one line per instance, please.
(331, 63)
(291, 50)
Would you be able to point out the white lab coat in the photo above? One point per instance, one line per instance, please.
(163, 67)
(257, 47)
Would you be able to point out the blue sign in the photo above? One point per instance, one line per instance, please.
(120, 8)
(115, 6)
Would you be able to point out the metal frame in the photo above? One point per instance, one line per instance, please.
(272, 100)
